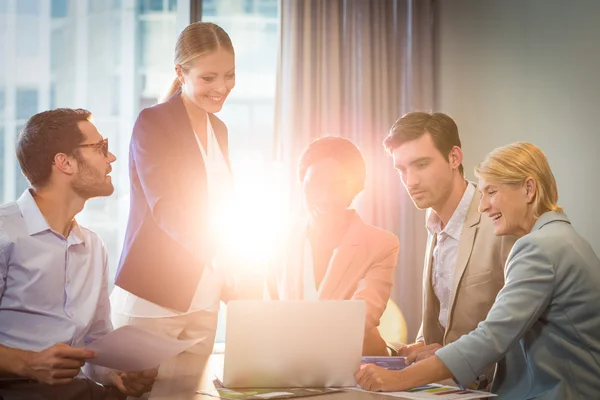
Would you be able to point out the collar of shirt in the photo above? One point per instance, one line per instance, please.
(454, 226)
(36, 222)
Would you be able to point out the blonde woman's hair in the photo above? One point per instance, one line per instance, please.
(513, 164)
(196, 40)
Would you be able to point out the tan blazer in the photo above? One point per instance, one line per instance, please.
(361, 268)
(477, 279)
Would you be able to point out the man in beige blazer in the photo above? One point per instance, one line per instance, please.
(464, 263)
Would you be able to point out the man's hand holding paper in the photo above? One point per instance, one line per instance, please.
(132, 349)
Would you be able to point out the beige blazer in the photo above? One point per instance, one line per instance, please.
(477, 279)
(361, 268)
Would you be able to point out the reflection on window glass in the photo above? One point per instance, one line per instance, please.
(156, 56)
(59, 8)
(28, 7)
(103, 61)
(103, 5)
(27, 103)
(268, 8)
(28, 35)
(209, 9)
(52, 96)
(56, 55)
(147, 6)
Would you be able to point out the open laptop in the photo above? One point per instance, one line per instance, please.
(293, 343)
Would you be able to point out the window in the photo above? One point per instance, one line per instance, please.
(209, 9)
(28, 36)
(58, 53)
(27, 103)
(2, 103)
(115, 59)
(20, 181)
(94, 61)
(59, 8)
(267, 7)
(52, 96)
(147, 6)
(1, 162)
(155, 71)
(104, 5)
(28, 7)
(2, 42)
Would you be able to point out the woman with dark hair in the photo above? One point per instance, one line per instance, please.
(335, 255)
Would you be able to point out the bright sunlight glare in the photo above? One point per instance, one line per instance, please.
(251, 227)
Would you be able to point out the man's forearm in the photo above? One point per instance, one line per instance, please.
(13, 362)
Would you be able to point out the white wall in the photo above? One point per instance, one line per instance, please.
(527, 70)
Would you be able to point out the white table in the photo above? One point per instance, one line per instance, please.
(180, 377)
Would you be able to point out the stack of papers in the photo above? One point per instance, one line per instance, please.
(435, 391)
(392, 363)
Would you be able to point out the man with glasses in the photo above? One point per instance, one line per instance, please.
(54, 272)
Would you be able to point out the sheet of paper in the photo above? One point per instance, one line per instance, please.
(262, 394)
(434, 391)
(130, 348)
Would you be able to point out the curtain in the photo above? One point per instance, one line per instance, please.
(351, 68)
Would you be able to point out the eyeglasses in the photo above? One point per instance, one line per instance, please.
(103, 145)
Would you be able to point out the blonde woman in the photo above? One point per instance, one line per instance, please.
(544, 327)
(180, 177)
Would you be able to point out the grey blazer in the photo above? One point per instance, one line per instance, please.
(544, 327)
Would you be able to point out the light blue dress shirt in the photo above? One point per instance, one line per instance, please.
(544, 327)
(52, 289)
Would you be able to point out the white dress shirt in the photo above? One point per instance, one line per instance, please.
(309, 286)
(208, 292)
(446, 250)
(52, 289)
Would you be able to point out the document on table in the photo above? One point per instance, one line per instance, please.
(435, 391)
(130, 348)
(263, 393)
(394, 363)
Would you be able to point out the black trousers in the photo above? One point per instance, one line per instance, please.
(78, 389)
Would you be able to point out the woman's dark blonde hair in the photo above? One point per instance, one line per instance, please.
(513, 164)
(197, 40)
